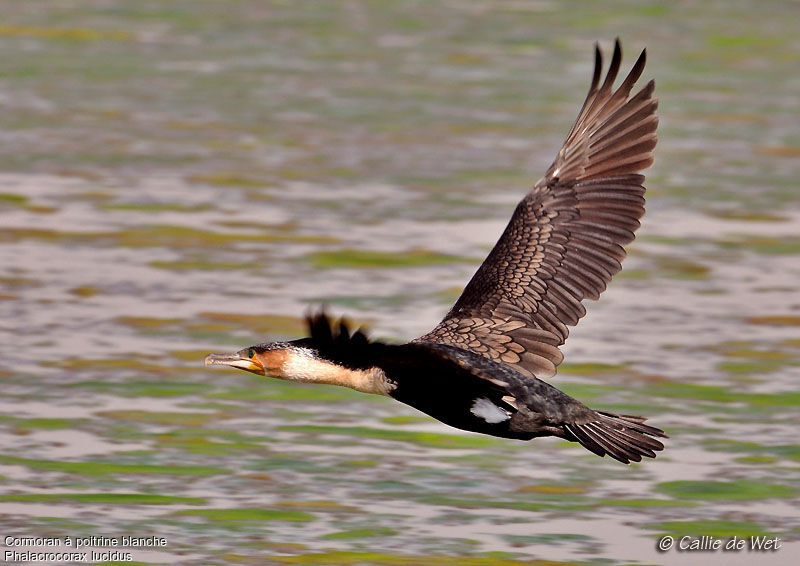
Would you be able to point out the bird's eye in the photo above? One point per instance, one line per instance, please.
(251, 352)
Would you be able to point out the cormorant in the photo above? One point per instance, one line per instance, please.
(480, 368)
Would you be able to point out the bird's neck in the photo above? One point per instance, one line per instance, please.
(302, 365)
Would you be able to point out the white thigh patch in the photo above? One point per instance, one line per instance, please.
(488, 411)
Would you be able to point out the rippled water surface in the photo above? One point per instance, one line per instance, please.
(186, 177)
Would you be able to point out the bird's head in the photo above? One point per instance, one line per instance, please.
(276, 359)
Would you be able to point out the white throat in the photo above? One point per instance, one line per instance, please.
(301, 365)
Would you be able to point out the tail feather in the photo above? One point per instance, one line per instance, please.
(634, 446)
(623, 437)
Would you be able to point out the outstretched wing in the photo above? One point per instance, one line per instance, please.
(564, 241)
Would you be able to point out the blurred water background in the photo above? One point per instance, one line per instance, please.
(192, 176)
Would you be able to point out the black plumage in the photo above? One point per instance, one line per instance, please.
(444, 382)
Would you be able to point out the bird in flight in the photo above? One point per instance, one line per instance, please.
(482, 368)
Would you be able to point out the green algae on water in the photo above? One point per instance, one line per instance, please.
(246, 514)
(102, 467)
(104, 498)
(352, 258)
(725, 490)
(433, 440)
(361, 533)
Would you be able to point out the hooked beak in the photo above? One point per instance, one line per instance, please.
(235, 360)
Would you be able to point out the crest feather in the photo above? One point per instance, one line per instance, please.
(328, 332)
